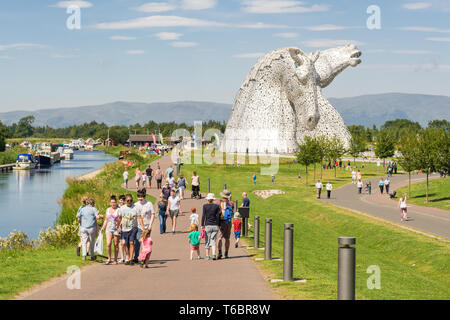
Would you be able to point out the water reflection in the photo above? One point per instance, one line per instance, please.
(29, 197)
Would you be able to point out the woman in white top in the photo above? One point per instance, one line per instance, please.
(403, 208)
(111, 229)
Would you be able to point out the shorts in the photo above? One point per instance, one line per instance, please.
(129, 236)
(174, 213)
(224, 230)
(194, 247)
(211, 236)
(237, 234)
(114, 232)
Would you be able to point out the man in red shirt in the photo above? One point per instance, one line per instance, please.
(224, 226)
(237, 223)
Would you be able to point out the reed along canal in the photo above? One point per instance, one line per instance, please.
(29, 198)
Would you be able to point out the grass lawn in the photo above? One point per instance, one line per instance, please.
(21, 269)
(438, 193)
(412, 266)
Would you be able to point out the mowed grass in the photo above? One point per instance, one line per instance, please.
(438, 193)
(412, 266)
(22, 269)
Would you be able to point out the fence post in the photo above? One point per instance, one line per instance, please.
(288, 252)
(346, 268)
(268, 240)
(256, 233)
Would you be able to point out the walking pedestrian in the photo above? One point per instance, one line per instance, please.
(158, 177)
(273, 178)
(144, 179)
(88, 217)
(195, 183)
(225, 223)
(128, 228)
(329, 187)
(162, 213)
(110, 225)
(149, 172)
(254, 178)
(137, 177)
(194, 241)
(125, 177)
(237, 225)
(353, 176)
(169, 172)
(358, 175)
(403, 208)
(193, 218)
(174, 204)
(299, 177)
(319, 187)
(145, 217)
(387, 182)
(182, 185)
(210, 223)
(166, 191)
(83, 204)
(381, 185)
(146, 248)
(359, 185)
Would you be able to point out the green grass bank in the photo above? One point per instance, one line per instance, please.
(438, 193)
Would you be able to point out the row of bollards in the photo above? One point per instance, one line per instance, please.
(346, 257)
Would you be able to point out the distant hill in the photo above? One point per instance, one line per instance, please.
(363, 110)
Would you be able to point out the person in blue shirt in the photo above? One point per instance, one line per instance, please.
(88, 217)
(254, 178)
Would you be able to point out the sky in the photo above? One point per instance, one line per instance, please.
(202, 50)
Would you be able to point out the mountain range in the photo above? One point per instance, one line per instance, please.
(364, 110)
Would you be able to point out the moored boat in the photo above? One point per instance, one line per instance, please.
(25, 161)
(44, 159)
(68, 153)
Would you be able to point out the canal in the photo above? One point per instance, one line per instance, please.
(29, 198)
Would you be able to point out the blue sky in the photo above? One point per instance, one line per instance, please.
(171, 50)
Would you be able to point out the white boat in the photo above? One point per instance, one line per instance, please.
(25, 161)
(67, 154)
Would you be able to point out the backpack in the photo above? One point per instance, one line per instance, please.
(227, 211)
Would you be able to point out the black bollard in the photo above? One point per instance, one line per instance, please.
(209, 185)
(244, 227)
(224, 186)
(288, 252)
(235, 206)
(268, 240)
(256, 233)
(346, 268)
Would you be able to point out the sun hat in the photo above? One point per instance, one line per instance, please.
(210, 196)
(226, 194)
(237, 215)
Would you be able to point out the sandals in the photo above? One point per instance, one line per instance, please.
(108, 262)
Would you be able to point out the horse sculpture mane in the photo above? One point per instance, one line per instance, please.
(280, 102)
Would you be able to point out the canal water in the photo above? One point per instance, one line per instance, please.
(29, 198)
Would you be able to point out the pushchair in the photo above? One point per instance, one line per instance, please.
(392, 195)
(196, 192)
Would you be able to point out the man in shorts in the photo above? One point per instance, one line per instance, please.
(145, 216)
(127, 222)
(224, 226)
(174, 204)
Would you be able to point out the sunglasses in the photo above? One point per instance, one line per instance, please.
(129, 200)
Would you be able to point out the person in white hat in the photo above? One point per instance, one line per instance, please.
(210, 223)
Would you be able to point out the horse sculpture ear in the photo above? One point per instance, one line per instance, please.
(314, 56)
(294, 52)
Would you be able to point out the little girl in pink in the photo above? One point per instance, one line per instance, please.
(146, 248)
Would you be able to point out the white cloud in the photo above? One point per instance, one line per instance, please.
(20, 46)
(135, 52)
(168, 35)
(280, 6)
(180, 44)
(155, 7)
(412, 52)
(327, 27)
(328, 43)
(66, 4)
(260, 25)
(157, 21)
(198, 4)
(249, 55)
(122, 38)
(287, 35)
(438, 39)
(416, 5)
(425, 29)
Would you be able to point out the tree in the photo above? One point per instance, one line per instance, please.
(408, 153)
(322, 143)
(443, 150)
(4, 133)
(334, 151)
(357, 145)
(24, 127)
(439, 124)
(427, 158)
(385, 145)
(398, 126)
(306, 154)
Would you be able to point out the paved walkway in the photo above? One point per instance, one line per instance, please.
(172, 275)
(430, 220)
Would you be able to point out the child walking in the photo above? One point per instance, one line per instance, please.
(237, 223)
(194, 241)
(146, 248)
(194, 216)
